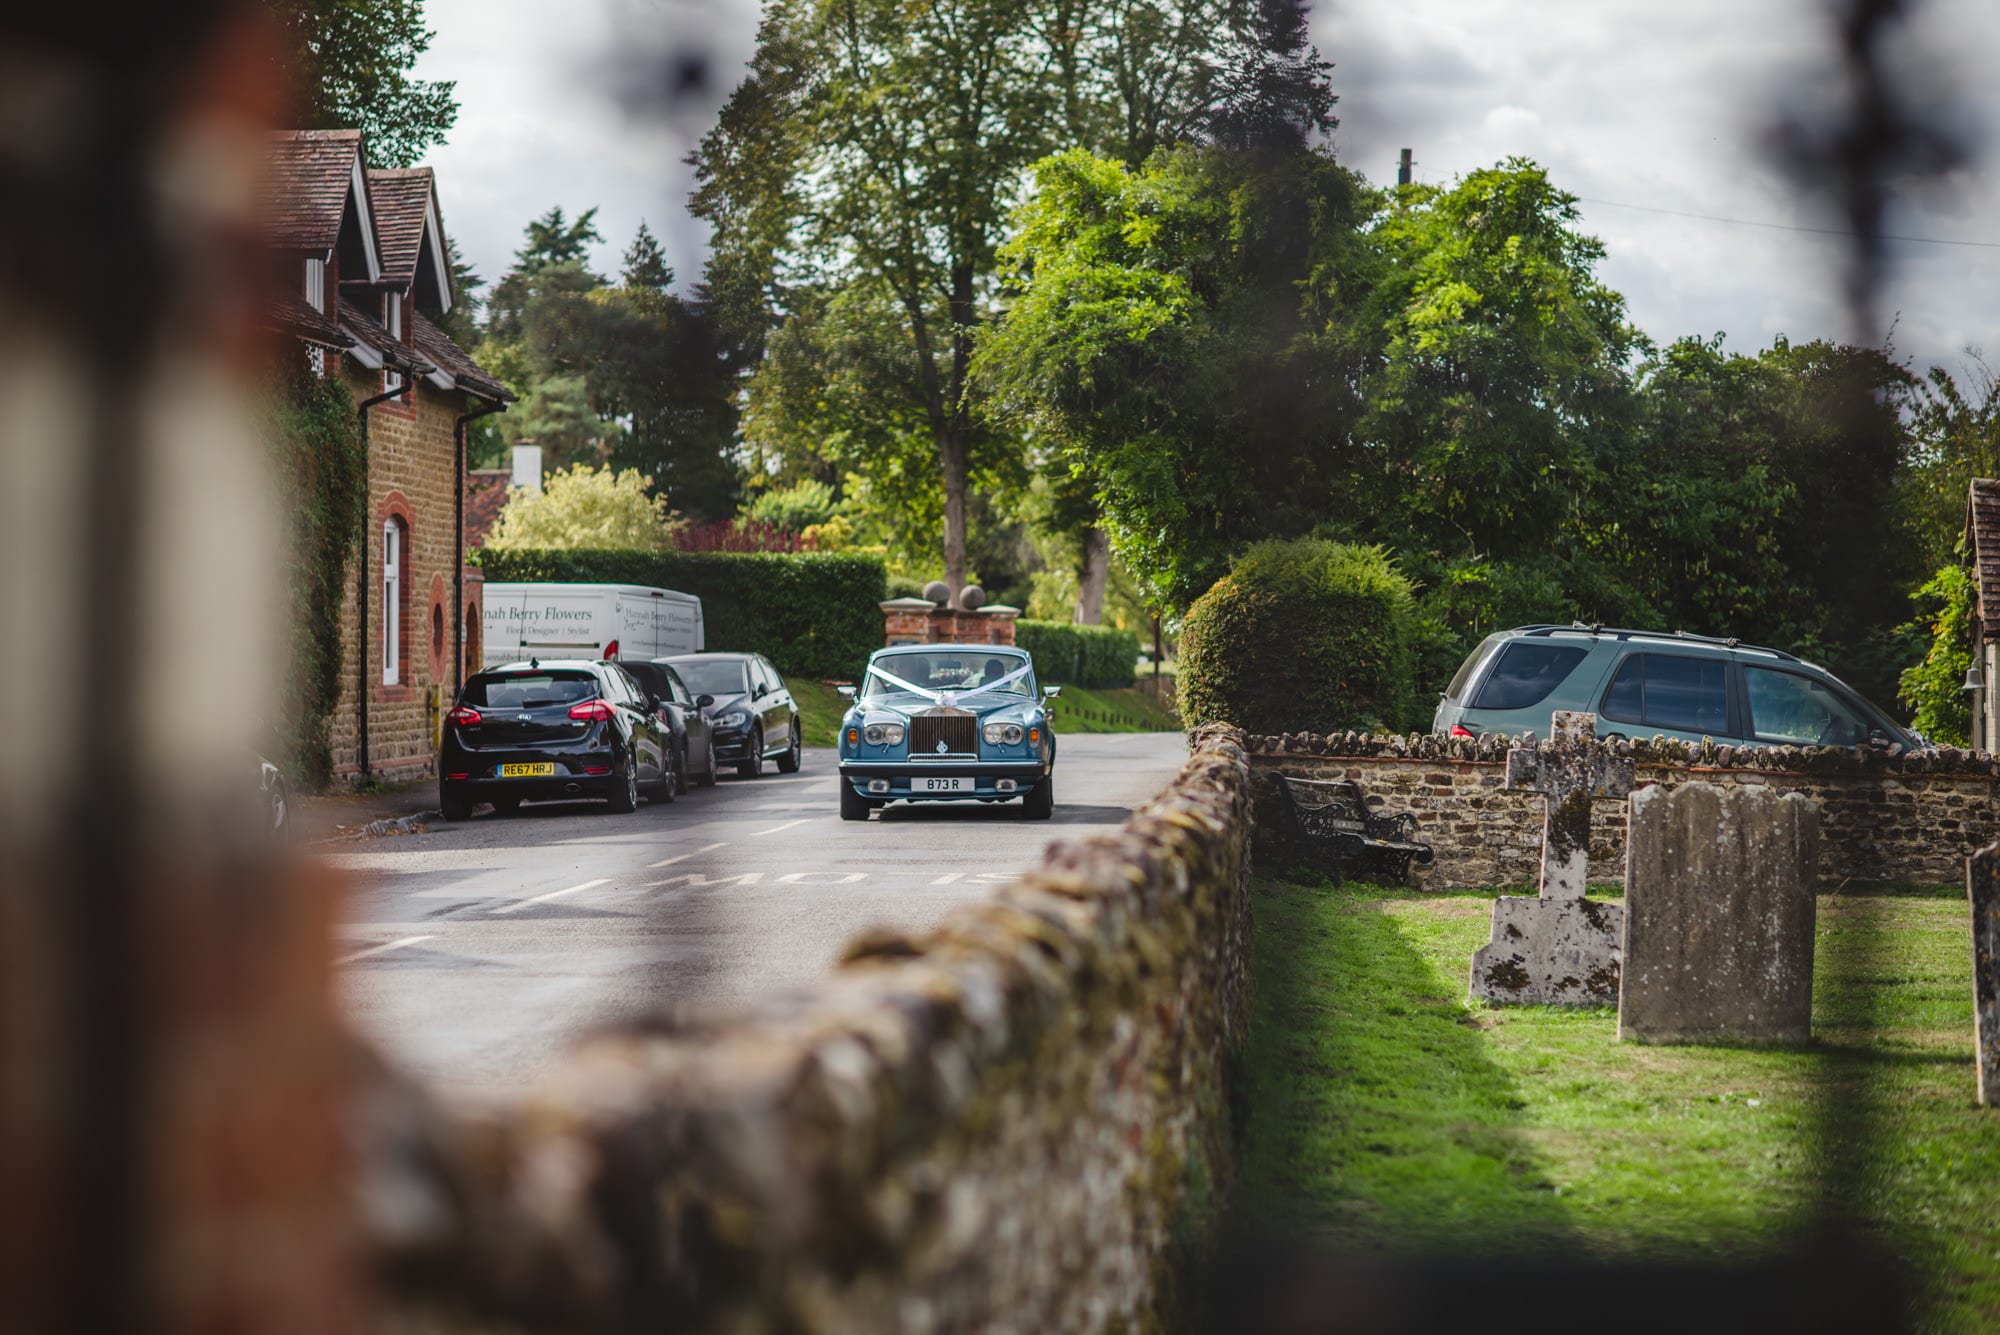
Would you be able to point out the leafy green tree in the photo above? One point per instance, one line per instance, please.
(350, 62)
(1182, 343)
(1954, 438)
(872, 157)
(795, 508)
(1934, 688)
(585, 507)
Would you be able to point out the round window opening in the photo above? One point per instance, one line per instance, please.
(437, 632)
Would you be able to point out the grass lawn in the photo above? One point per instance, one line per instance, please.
(1389, 1113)
(821, 709)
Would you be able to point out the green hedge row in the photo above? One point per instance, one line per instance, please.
(814, 614)
(1096, 658)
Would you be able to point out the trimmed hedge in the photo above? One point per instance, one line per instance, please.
(1096, 658)
(814, 614)
(1303, 636)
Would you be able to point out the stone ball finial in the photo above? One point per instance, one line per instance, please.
(938, 592)
(972, 598)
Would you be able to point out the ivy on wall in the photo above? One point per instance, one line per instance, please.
(320, 460)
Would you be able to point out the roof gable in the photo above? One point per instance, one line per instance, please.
(412, 234)
(1982, 526)
(316, 194)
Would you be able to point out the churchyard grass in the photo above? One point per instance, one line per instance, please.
(1387, 1113)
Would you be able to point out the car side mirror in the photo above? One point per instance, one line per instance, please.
(703, 701)
(844, 692)
(760, 692)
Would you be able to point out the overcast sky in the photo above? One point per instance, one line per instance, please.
(1626, 102)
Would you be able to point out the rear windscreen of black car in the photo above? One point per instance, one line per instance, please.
(529, 690)
(1525, 673)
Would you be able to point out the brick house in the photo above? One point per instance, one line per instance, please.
(373, 275)
(1982, 542)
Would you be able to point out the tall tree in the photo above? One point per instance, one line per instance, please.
(877, 148)
(350, 63)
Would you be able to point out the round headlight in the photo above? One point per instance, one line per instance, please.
(883, 734)
(1002, 734)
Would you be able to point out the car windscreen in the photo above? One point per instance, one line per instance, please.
(964, 669)
(1525, 673)
(651, 676)
(529, 690)
(717, 676)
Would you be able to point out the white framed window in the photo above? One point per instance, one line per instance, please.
(392, 320)
(316, 284)
(392, 602)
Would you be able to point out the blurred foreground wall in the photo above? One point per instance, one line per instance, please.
(1015, 1123)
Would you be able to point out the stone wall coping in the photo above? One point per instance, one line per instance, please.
(1492, 748)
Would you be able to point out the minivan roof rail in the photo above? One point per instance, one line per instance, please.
(1619, 633)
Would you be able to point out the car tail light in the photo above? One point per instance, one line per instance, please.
(591, 711)
(456, 777)
(463, 715)
(611, 649)
(597, 769)
(1460, 730)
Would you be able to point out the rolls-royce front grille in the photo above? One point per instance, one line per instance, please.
(937, 733)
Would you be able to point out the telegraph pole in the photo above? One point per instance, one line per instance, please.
(1403, 168)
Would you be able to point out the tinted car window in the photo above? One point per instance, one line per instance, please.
(1786, 707)
(1525, 673)
(1669, 691)
(716, 677)
(675, 690)
(1460, 680)
(529, 690)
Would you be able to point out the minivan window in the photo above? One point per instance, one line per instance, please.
(529, 690)
(1525, 673)
(1671, 691)
(1462, 678)
(1787, 707)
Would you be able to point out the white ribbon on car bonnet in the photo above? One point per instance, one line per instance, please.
(949, 699)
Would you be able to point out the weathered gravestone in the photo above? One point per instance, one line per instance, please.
(1982, 883)
(1560, 948)
(1719, 915)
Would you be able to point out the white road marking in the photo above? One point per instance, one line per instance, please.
(696, 878)
(668, 862)
(948, 878)
(377, 950)
(554, 894)
(775, 829)
(839, 878)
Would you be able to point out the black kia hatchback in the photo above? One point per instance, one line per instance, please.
(552, 730)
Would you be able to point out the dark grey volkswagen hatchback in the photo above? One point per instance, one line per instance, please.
(551, 730)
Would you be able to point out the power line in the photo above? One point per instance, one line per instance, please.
(1768, 226)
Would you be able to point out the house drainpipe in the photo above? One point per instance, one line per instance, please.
(361, 588)
(458, 545)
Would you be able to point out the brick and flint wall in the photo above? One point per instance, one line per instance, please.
(1905, 819)
(412, 475)
(1016, 1122)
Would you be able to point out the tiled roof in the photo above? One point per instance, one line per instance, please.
(291, 316)
(1983, 526)
(401, 198)
(435, 344)
(366, 329)
(308, 173)
(485, 496)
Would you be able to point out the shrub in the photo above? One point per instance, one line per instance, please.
(1934, 687)
(813, 614)
(1300, 636)
(794, 509)
(1094, 657)
(584, 507)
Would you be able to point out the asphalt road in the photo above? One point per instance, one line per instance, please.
(474, 952)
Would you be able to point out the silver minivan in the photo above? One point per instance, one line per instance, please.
(1652, 683)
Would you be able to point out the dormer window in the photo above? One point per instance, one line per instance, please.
(316, 284)
(392, 320)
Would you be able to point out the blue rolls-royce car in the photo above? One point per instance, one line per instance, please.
(947, 723)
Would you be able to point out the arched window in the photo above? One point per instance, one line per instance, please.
(394, 542)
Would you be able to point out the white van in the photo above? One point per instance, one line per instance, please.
(588, 621)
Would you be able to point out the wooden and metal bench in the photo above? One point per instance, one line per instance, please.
(1331, 817)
